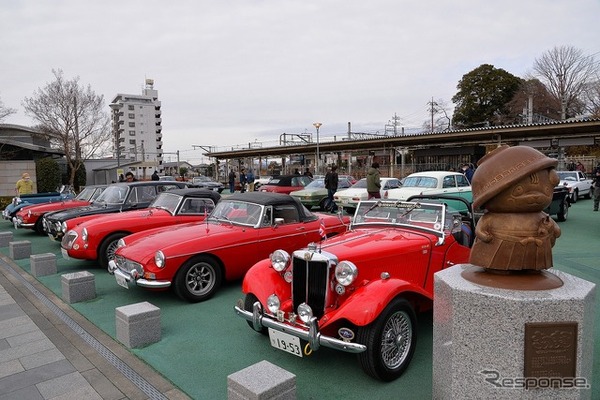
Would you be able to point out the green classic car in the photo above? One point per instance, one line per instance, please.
(315, 193)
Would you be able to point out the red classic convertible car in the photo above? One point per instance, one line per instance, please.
(242, 229)
(96, 239)
(359, 292)
(31, 217)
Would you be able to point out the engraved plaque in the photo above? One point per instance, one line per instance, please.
(550, 349)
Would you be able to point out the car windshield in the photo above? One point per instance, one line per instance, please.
(567, 176)
(166, 201)
(362, 184)
(420, 181)
(237, 212)
(431, 217)
(113, 195)
(86, 194)
(316, 184)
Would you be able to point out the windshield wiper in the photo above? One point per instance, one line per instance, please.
(410, 209)
(375, 205)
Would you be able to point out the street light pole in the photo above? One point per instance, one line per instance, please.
(317, 125)
(116, 107)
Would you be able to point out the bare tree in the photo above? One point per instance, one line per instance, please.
(72, 117)
(592, 97)
(565, 71)
(5, 111)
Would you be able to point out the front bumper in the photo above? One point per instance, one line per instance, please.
(315, 338)
(114, 270)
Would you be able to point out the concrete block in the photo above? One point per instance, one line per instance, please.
(43, 264)
(138, 324)
(5, 238)
(261, 381)
(78, 286)
(19, 250)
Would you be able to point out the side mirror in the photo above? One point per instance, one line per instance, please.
(279, 221)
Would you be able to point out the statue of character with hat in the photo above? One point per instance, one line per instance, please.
(513, 185)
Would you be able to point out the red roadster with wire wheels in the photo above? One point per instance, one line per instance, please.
(359, 292)
(242, 229)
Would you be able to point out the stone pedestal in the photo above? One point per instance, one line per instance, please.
(261, 381)
(19, 250)
(78, 286)
(5, 238)
(43, 264)
(138, 324)
(508, 344)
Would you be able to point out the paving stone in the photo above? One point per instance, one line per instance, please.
(41, 358)
(28, 337)
(9, 311)
(26, 393)
(23, 350)
(10, 367)
(87, 393)
(4, 344)
(102, 385)
(61, 385)
(30, 377)
(16, 326)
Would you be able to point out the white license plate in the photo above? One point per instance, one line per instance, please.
(121, 281)
(286, 342)
(65, 254)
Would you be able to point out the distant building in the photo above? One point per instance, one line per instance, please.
(137, 129)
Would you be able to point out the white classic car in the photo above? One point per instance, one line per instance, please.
(433, 182)
(577, 183)
(358, 192)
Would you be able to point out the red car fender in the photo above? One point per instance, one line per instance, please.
(262, 280)
(364, 305)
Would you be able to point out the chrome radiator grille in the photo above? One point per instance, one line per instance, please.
(310, 284)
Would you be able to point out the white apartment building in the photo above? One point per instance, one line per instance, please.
(137, 129)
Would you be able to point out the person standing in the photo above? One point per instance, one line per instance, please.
(243, 180)
(374, 181)
(231, 181)
(250, 179)
(155, 176)
(596, 189)
(331, 183)
(468, 171)
(308, 173)
(24, 185)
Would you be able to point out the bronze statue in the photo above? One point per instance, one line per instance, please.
(513, 185)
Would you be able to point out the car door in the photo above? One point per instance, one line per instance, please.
(464, 188)
(282, 229)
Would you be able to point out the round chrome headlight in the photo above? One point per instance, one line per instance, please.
(305, 312)
(63, 227)
(280, 260)
(120, 243)
(273, 303)
(84, 234)
(345, 273)
(159, 259)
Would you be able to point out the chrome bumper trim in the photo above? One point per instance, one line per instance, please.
(312, 336)
(114, 270)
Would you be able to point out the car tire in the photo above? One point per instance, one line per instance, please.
(575, 196)
(107, 248)
(38, 227)
(198, 279)
(391, 341)
(248, 306)
(563, 210)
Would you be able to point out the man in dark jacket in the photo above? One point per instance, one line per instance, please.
(155, 176)
(374, 181)
(331, 183)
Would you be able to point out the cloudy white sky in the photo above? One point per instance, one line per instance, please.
(233, 72)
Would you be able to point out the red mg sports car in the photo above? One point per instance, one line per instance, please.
(242, 229)
(96, 238)
(30, 217)
(359, 292)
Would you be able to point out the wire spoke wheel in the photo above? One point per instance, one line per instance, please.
(396, 338)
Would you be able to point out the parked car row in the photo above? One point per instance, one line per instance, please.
(310, 279)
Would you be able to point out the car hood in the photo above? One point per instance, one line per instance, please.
(309, 192)
(404, 193)
(364, 243)
(126, 218)
(180, 240)
(56, 206)
(83, 211)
